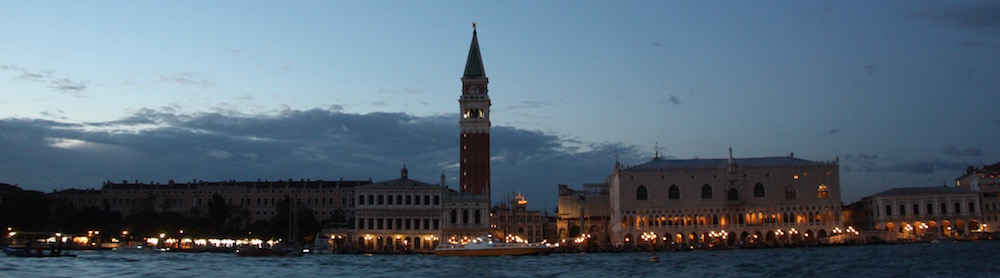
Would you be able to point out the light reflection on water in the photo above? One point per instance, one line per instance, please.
(975, 259)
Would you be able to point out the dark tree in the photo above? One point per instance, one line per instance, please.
(217, 211)
(25, 211)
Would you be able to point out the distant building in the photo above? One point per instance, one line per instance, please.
(256, 200)
(6, 189)
(922, 213)
(467, 211)
(387, 218)
(585, 212)
(986, 180)
(725, 201)
(401, 215)
(513, 219)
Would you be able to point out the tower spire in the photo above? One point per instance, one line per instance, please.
(474, 64)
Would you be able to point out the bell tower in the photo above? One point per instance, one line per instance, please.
(474, 176)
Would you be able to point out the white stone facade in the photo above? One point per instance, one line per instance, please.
(725, 201)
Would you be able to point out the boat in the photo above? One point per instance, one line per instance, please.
(943, 240)
(274, 251)
(486, 246)
(36, 253)
(262, 252)
(35, 245)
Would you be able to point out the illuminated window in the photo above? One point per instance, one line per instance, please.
(823, 192)
(795, 177)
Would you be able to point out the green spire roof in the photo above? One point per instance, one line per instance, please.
(474, 65)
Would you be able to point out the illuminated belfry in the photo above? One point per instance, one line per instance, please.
(475, 125)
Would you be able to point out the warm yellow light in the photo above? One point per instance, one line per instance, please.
(162, 235)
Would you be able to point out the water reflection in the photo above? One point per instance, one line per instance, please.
(934, 260)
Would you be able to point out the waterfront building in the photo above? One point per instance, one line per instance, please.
(460, 215)
(986, 180)
(768, 200)
(513, 219)
(254, 200)
(472, 201)
(922, 213)
(584, 213)
(466, 216)
(400, 215)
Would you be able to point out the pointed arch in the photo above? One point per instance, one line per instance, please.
(706, 191)
(641, 193)
(733, 195)
(758, 190)
(674, 193)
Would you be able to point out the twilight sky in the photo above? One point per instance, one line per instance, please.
(903, 92)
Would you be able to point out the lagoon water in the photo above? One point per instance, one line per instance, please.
(969, 259)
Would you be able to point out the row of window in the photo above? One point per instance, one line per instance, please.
(398, 224)
(399, 200)
(260, 201)
(929, 209)
(794, 177)
(753, 219)
(465, 216)
(674, 192)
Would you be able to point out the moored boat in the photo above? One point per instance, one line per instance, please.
(270, 252)
(486, 246)
(35, 253)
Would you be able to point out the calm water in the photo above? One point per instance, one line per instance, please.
(975, 259)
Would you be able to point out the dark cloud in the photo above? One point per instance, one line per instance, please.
(528, 104)
(952, 150)
(672, 100)
(158, 145)
(926, 167)
(996, 122)
(985, 16)
(68, 86)
(833, 131)
(873, 164)
(871, 68)
(983, 19)
(189, 79)
(49, 77)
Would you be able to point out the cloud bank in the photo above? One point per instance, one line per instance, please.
(158, 145)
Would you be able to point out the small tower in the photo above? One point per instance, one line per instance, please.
(404, 173)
